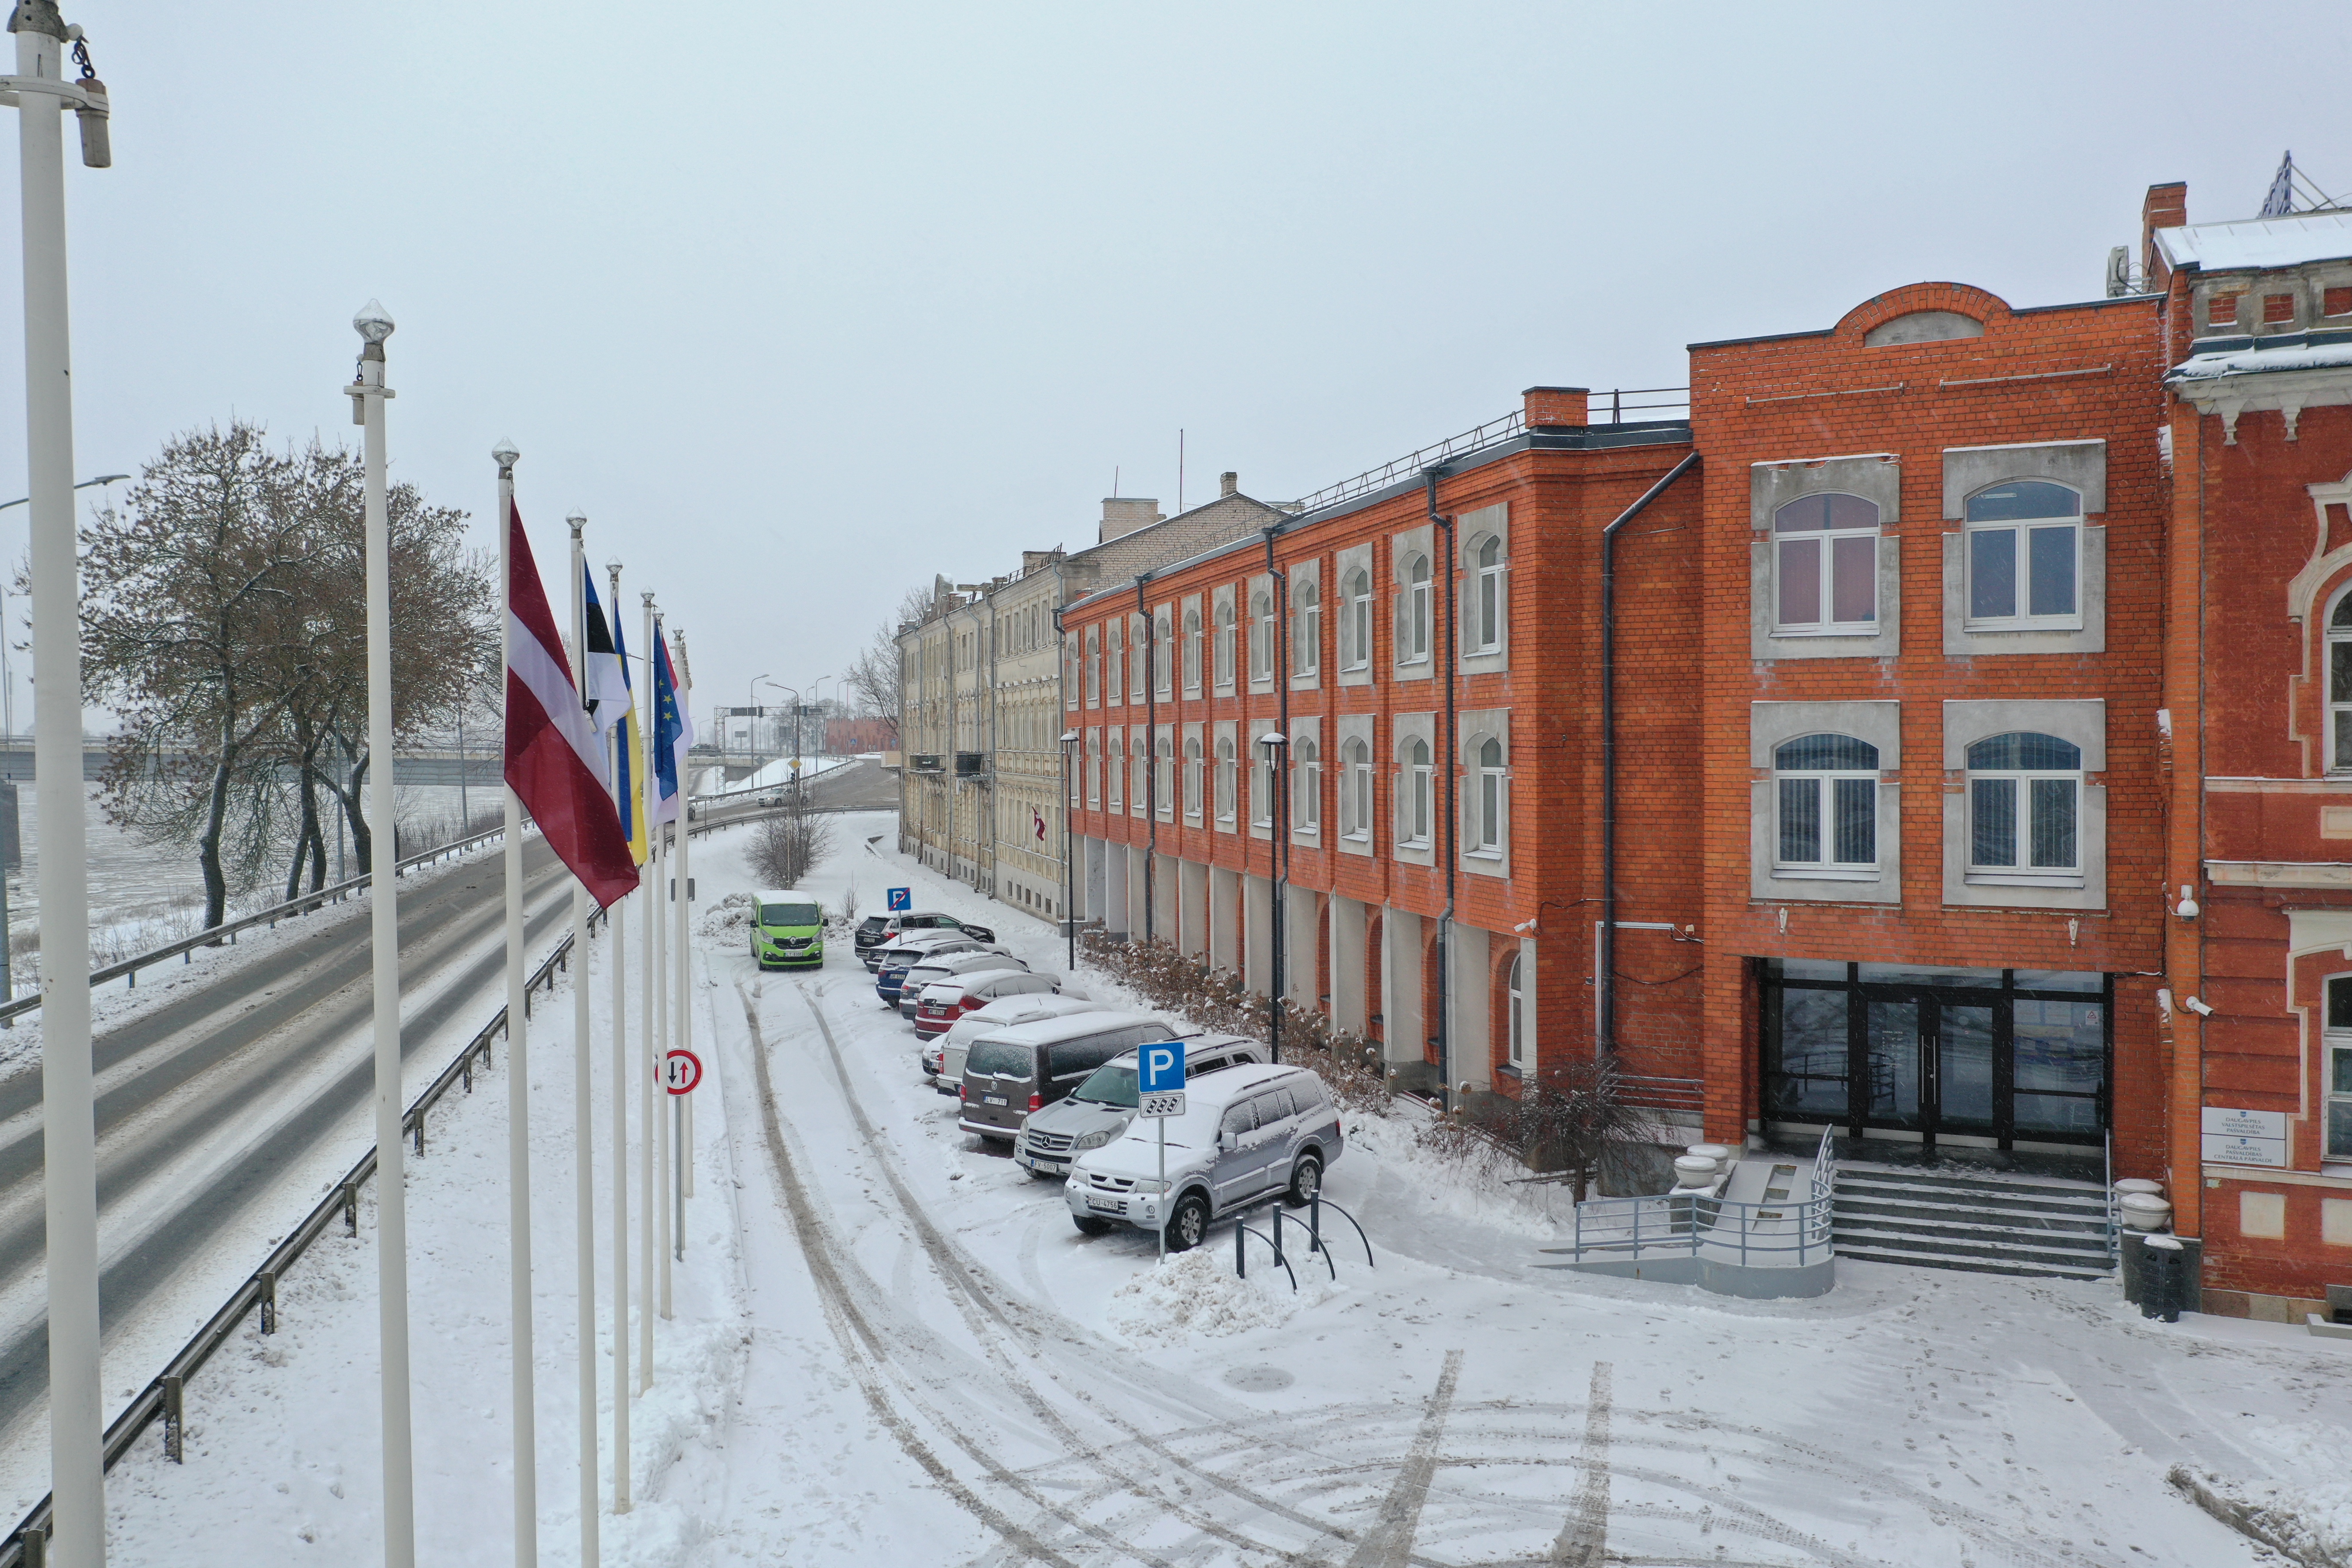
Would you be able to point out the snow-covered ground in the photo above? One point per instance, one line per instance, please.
(780, 771)
(889, 1346)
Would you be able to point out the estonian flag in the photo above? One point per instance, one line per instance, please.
(628, 789)
(608, 681)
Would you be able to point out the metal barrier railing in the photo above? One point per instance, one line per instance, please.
(1764, 1232)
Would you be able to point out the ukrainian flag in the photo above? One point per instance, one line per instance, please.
(629, 792)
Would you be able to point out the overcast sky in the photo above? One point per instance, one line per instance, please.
(802, 304)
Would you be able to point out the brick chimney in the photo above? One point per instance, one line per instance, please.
(1556, 406)
(1122, 515)
(1229, 483)
(2166, 206)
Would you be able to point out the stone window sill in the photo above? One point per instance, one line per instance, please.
(1813, 874)
(2023, 879)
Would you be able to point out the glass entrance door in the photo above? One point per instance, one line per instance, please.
(1982, 1056)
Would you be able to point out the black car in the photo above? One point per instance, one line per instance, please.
(876, 929)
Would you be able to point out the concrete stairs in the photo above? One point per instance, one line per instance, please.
(1987, 1222)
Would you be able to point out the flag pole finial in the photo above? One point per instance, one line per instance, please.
(505, 456)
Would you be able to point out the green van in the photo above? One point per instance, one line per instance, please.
(786, 928)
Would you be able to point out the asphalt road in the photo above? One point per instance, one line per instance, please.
(174, 1076)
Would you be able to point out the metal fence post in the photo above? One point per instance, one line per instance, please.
(268, 1301)
(37, 1548)
(1277, 1232)
(1241, 1254)
(350, 1209)
(420, 1132)
(173, 1433)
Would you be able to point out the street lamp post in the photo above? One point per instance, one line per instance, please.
(1277, 751)
(8, 679)
(69, 1141)
(368, 393)
(752, 733)
(797, 735)
(1069, 867)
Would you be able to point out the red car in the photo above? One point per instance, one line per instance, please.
(943, 1004)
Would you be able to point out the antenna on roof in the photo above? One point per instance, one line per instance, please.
(2291, 184)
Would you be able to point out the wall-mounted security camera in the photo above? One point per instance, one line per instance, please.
(2198, 1008)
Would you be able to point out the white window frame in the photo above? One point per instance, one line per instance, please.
(1825, 542)
(1490, 799)
(1192, 777)
(1306, 798)
(1261, 790)
(1192, 650)
(1094, 666)
(2020, 782)
(1163, 775)
(1971, 530)
(1356, 790)
(1228, 781)
(2338, 635)
(1412, 611)
(1489, 595)
(2336, 1068)
(1824, 781)
(1116, 749)
(1515, 1030)
(1094, 769)
(1306, 629)
(1139, 655)
(1356, 620)
(1416, 801)
(1163, 652)
(1262, 635)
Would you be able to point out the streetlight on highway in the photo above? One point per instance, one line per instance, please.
(752, 731)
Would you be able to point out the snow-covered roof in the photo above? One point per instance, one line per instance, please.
(2244, 361)
(2259, 242)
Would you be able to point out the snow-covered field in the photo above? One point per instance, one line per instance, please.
(889, 1346)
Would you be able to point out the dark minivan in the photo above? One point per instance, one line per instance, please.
(1028, 1067)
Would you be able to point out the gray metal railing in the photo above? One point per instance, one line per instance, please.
(1765, 1233)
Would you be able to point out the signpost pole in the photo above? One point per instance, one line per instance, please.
(1163, 1189)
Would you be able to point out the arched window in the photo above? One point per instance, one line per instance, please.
(1192, 650)
(1193, 771)
(2339, 685)
(1412, 613)
(1355, 789)
(1261, 789)
(1261, 636)
(1492, 797)
(1413, 798)
(1306, 629)
(2338, 1068)
(1163, 783)
(1228, 784)
(1118, 768)
(1094, 666)
(1072, 682)
(1517, 1006)
(2025, 795)
(1825, 564)
(2024, 556)
(1139, 655)
(1306, 807)
(1163, 653)
(1225, 644)
(1486, 596)
(1139, 784)
(1094, 767)
(1356, 620)
(1115, 636)
(1827, 787)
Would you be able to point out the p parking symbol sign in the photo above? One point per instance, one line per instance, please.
(1159, 1066)
(900, 900)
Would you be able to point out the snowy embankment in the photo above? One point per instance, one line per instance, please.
(891, 1346)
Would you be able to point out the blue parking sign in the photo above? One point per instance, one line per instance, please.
(1159, 1066)
(900, 899)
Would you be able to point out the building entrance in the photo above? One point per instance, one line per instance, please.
(1988, 1057)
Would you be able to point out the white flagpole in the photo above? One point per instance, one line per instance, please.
(685, 960)
(70, 1140)
(649, 1243)
(661, 1013)
(615, 917)
(583, 1118)
(368, 394)
(526, 1397)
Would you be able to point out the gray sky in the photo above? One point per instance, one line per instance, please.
(801, 304)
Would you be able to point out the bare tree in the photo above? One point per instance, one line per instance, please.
(790, 843)
(873, 677)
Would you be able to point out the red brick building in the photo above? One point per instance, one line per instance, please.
(1941, 739)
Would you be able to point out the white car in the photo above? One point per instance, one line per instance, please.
(1247, 1133)
(942, 1059)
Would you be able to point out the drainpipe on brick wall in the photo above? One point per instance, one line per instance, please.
(1151, 750)
(1604, 994)
(1448, 813)
(1278, 858)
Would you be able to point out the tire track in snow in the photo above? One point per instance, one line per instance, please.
(1389, 1545)
(1584, 1540)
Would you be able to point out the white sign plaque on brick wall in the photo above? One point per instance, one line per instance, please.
(2244, 1137)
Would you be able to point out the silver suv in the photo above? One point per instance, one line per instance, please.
(1098, 1110)
(1246, 1133)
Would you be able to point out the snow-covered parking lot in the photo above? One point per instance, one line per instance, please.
(892, 1347)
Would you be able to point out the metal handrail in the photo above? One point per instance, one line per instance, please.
(212, 936)
(1686, 1222)
(161, 1398)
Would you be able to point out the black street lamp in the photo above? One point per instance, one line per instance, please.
(1277, 751)
(1069, 867)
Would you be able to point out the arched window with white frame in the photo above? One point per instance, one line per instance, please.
(1825, 567)
(1139, 655)
(1193, 776)
(1356, 789)
(1261, 789)
(1114, 640)
(1413, 612)
(1417, 783)
(1225, 643)
(1262, 637)
(1163, 653)
(1491, 799)
(1826, 792)
(1489, 596)
(1192, 650)
(1306, 629)
(1228, 781)
(1163, 782)
(1356, 620)
(1094, 768)
(1519, 1033)
(1094, 666)
(1116, 766)
(2025, 557)
(1307, 805)
(1138, 782)
(2025, 802)
(2336, 1068)
(2339, 685)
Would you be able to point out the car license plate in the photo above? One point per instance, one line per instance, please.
(993, 1100)
(1108, 1206)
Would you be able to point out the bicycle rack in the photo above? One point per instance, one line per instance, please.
(1243, 1230)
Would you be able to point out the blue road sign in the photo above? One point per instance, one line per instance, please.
(1160, 1067)
(900, 899)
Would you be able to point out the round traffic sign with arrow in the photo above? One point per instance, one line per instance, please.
(681, 1070)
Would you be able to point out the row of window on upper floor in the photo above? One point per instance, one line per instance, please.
(2022, 554)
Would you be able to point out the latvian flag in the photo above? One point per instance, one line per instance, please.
(555, 760)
